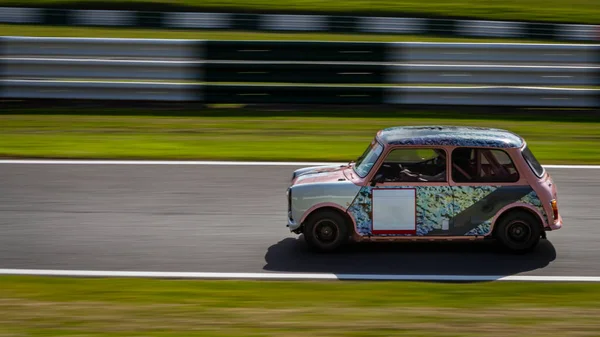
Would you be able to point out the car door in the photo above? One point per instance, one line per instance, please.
(408, 195)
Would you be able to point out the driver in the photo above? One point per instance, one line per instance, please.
(438, 161)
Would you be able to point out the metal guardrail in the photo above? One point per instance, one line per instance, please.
(311, 72)
(24, 68)
(496, 75)
(496, 96)
(100, 47)
(313, 51)
(110, 91)
(409, 95)
(249, 71)
(495, 53)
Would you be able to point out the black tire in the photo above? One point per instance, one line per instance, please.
(519, 231)
(326, 231)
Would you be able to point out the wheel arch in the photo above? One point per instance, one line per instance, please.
(516, 207)
(329, 206)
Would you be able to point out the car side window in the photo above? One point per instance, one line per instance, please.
(413, 165)
(482, 165)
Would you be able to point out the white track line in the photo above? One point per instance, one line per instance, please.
(574, 166)
(206, 162)
(161, 162)
(293, 276)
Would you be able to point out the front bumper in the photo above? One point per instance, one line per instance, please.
(292, 225)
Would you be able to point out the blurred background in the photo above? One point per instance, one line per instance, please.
(415, 62)
(298, 82)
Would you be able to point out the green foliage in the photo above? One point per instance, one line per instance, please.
(584, 11)
(240, 134)
(36, 306)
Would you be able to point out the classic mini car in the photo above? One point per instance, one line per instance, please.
(428, 183)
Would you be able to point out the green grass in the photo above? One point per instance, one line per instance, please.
(36, 306)
(63, 31)
(239, 134)
(586, 11)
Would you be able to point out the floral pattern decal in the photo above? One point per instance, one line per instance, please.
(434, 205)
(449, 135)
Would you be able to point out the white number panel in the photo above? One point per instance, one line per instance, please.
(394, 211)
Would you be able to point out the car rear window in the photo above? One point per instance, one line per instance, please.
(482, 165)
(536, 167)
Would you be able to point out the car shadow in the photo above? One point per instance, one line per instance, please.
(408, 258)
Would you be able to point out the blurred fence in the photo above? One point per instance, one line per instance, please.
(517, 75)
(302, 23)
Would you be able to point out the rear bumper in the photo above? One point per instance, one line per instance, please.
(557, 224)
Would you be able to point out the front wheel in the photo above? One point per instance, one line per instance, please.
(519, 232)
(326, 231)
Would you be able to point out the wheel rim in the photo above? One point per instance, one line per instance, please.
(325, 231)
(518, 231)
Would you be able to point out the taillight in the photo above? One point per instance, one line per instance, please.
(554, 208)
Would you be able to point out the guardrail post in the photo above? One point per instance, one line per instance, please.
(250, 22)
(2, 65)
(445, 27)
(540, 31)
(200, 69)
(597, 75)
(289, 94)
(304, 67)
(342, 24)
(394, 53)
(56, 17)
(150, 19)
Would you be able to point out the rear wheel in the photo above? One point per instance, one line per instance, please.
(326, 231)
(519, 231)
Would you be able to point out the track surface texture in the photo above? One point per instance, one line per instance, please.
(232, 219)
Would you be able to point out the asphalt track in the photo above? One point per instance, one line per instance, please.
(198, 218)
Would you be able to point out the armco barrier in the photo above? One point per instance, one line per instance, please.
(597, 72)
(3, 69)
(265, 94)
(294, 73)
(291, 94)
(67, 47)
(23, 68)
(302, 72)
(296, 51)
(494, 96)
(488, 53)
(109, 91)
(493, 74)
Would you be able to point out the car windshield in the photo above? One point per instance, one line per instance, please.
(535, 166)
(365, 162)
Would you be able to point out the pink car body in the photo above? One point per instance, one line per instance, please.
(428, 183)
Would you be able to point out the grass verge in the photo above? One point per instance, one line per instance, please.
(240, 134)
(585, 11)
(35, 306)
(88, 32)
